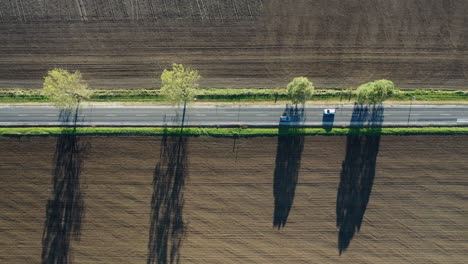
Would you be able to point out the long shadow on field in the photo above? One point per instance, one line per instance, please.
(288, 163)
(64, 211)
(358, 171)
(167, 226)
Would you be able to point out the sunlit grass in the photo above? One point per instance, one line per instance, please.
(225, 132)
(236, 95)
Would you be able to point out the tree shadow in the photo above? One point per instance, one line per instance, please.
(65, 210)
(167, 228)
(358, 171)
(288, 162)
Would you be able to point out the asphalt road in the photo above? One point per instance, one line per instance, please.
(99, 115)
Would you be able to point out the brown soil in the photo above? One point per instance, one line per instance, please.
(416, 213)
(238, 43)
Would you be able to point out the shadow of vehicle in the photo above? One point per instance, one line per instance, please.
(65, 210)
(167, 227)
(288, 162)
(358, 171)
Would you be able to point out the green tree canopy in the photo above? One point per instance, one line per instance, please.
(179, 85)
(375, 92)
(300, 90)
(65, 89)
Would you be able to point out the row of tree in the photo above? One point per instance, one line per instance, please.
(180, 83)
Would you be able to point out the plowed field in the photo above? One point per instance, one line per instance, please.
(238, 43)
(212, 200)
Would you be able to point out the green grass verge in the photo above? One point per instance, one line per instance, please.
(225, 132)
(233, 95)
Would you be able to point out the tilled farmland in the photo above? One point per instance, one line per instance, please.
(351, 199)
(238, 43)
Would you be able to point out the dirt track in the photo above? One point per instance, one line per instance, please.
(416, 213)
(241, 43)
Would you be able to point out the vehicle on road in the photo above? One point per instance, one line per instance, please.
(328, 118)
(285, 119)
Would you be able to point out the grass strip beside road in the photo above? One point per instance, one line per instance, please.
(225, 132)
(234, 95)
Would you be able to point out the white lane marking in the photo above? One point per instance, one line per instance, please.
(141, 115)
(110, 115)
(262, 114)
(51, 115)
(415, 114)
(22, 115)
(200, 115)
(230, 114)
(462, 120)
(445, 114)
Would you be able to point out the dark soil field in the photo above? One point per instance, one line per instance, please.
(238, 43)
(389, 199)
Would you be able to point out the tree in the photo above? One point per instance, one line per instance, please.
(66, 89)
(300, 90)
(179, 85)
(375, 92)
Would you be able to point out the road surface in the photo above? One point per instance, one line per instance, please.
(121, 115)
